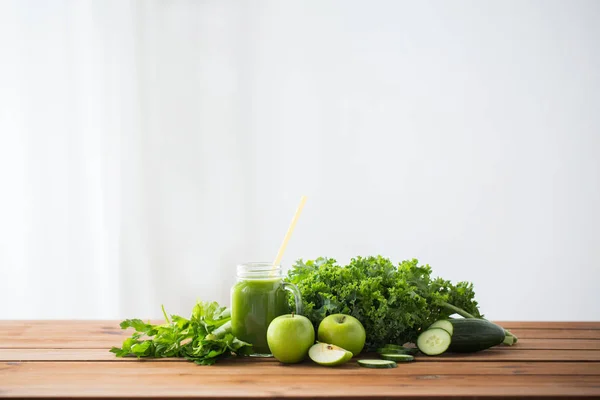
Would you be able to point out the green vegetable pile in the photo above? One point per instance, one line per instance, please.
(393, 302)
(204, 338)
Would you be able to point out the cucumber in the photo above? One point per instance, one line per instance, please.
(397, 357)
(377, 363)
(393, 346)
(398, 350)
(444, 324)
(474, 334)
(434, 341)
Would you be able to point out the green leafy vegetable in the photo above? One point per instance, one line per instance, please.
(394, 303)
(203, 338)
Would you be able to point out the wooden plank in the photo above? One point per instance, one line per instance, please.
(447, 367)
(494, 354)
(188, 380)
(549, 324)
(519, 355)
(526, 333)
(61, 334)
(552, 344)
(104, 334)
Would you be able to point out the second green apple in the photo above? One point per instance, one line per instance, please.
(344, 331)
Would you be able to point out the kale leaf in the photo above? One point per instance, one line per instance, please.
(394, 303)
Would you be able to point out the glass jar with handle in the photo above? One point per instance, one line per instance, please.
(258, 296)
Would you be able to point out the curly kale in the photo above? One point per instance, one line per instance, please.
(394, 303)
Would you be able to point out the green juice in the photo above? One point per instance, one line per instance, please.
(254, 304)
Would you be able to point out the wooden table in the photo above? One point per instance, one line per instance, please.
(71, 359)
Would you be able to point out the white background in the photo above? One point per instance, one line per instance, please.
(147, 147)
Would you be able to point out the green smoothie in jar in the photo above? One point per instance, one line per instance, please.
(259, 296)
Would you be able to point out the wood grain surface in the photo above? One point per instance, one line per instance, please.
(45, 359)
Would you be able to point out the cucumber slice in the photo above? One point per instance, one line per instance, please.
(393, 346)
(444, 324)
(377, 363)
(398, 357)
(434, 341)
(398, 350)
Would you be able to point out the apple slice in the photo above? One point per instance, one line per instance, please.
(328, 354)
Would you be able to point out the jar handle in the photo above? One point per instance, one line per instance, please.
(290, 287)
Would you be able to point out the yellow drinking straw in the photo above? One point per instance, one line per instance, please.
(289, 233)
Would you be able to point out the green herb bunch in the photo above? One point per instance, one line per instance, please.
(204, 338)
(393, 302)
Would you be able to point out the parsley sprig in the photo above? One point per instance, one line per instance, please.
(204, 338)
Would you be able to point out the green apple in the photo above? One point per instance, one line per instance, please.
(329, 354)
(289, 337)
(344, 331)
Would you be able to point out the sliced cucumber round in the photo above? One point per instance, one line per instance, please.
(434, 341)
(377, 363)
(397, 357)
(398, 350)
(393, 346)
(444, 324)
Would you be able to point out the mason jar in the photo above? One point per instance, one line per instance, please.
(258, 296)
